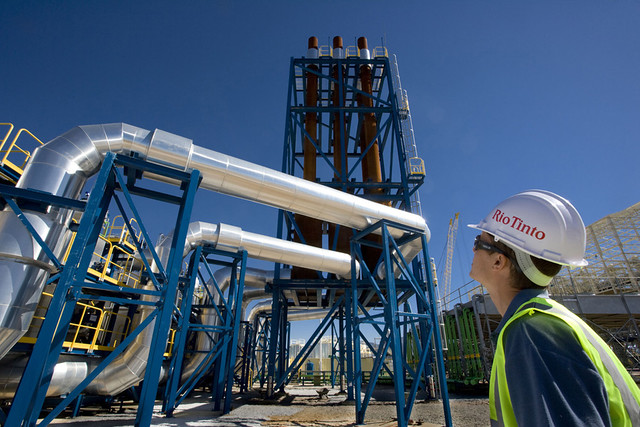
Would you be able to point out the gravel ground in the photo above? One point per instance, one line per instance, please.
(300, 406)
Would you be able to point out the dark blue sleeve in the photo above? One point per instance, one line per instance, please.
(551, 380)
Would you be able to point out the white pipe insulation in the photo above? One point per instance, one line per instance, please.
(62, 166)
(223, 236)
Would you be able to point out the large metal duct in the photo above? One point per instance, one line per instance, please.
(223, 236)
(62, 166)
(129, 368)
(292, 314)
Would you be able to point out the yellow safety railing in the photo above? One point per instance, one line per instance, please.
(120, 232)
(416, 166)
(10, 125)
(104, 265)
(325, 50)
(380, 52)
(19, 155)
(352, 52)
(170, 342)
(120, 272)
(90, 330)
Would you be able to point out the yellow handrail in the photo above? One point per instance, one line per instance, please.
(352, 52)
(380, 52)
(95, 327)
(416, 166)
(14, 148)
(104, 267)
(121, 232)
(8, 133)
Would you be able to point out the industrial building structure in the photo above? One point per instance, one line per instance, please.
(94, 310)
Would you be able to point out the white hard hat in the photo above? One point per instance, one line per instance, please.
(541, 224)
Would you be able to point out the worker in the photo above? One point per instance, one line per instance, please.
(550, 368)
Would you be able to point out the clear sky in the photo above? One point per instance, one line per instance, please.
(505, 95)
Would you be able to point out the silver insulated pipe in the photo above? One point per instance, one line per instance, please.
(229, 237)
(63, 165)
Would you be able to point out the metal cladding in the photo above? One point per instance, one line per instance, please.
(62, 166)
(264, 307)
(228, 237)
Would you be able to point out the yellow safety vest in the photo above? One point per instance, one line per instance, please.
(622, 392)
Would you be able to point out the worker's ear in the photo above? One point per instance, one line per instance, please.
(499, 262)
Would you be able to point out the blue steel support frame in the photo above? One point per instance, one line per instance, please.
(338, 347)
(31, 393)
(222, 354)
(396, 180)
(247, 351)
(261, 328)
(287, 374)
(394, 319)
(274, 341)
(173, 378)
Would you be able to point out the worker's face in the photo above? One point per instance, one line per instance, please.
(482, 261)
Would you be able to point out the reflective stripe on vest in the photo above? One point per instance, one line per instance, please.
(611, 370)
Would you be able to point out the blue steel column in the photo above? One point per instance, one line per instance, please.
(442, 378)
(356, 372)
(166, 303)
(175, 367)
(237, 298)
(391, 318)
(32, 391)
(263, 343)
(247, 350)
(341, 347)
(274, 341)
(283, 359)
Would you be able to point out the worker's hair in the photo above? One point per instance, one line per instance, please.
(521, 281)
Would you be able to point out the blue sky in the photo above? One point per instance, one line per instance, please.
(504, 95)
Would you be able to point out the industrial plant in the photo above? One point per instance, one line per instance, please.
(98, 311)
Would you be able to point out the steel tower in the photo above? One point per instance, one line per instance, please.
(348, 127)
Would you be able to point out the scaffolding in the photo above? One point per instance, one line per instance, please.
(613, 252)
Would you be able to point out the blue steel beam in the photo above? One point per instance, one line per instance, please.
(442, 378)
(175, 366)
(274, 341)
(166, 305)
